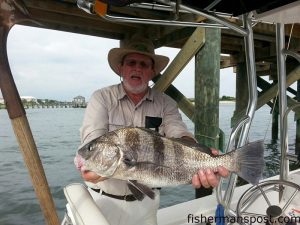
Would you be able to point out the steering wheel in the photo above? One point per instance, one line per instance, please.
(269, 200)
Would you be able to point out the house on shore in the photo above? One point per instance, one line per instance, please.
(79, 102)
(29, 99)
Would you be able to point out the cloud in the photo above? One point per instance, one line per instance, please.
(60, 65)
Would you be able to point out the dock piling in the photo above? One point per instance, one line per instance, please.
(207, 82)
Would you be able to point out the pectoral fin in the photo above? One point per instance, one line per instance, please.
(140, 190)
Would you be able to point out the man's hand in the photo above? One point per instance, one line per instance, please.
(91, 176)
(207, 178)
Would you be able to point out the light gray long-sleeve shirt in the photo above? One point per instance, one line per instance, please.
(110, 108)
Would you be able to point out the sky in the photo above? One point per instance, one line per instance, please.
(49, 64)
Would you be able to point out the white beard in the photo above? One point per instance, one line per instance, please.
(135, 90)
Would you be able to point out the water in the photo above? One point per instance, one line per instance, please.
(56, 132)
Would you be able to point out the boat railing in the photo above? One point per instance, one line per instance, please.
(252, 193)
(244, 127)
(282, 53)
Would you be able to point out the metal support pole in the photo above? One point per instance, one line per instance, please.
(275, 116)
(252, 101)
(297, 145)
(281, 68)
(252, 83)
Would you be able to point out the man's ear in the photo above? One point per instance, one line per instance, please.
(119, 69)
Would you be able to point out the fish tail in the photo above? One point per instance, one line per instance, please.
(250, 159)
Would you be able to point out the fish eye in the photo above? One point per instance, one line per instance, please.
(90, 148)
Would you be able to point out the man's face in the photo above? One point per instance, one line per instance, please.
(137, 70)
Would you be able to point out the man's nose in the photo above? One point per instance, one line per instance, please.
(139, 66)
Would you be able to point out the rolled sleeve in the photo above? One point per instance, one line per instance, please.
(95, 121)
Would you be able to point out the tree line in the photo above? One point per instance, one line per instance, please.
(223, 98)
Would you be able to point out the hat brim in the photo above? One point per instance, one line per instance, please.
(116, 55)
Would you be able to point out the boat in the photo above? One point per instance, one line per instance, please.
(261, 202)
(275, 200)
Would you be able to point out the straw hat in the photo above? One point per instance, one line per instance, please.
(136, 45)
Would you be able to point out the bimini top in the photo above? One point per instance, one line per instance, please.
(233, 7)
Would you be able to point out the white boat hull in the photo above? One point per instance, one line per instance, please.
(82, 209)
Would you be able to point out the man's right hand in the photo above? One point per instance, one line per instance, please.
(91, 176)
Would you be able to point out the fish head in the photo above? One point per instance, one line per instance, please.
(102, 157)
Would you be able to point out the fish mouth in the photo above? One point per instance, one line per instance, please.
(79, 162)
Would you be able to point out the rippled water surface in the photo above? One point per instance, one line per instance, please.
(56, 132)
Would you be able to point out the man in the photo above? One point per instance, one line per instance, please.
(127, 105)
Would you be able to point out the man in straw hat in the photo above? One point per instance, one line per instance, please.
(132, 104)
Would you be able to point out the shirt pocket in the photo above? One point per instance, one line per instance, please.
(154, 123)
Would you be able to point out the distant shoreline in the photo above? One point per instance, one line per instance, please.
(220, 102)
(227, 102)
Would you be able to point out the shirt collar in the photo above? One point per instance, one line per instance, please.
(121, 92)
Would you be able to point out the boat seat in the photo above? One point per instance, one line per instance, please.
(81, 207)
